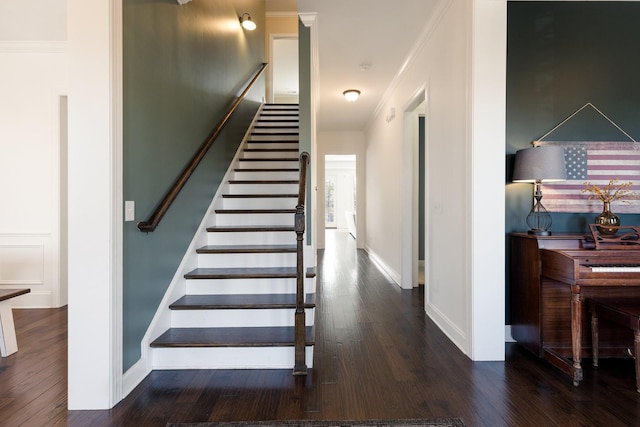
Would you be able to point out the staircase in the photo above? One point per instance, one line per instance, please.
(239, 303)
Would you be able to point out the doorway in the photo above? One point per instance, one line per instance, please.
(340, 193)
(414, 203)
(284, 52)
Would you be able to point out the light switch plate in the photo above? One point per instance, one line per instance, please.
(129, 210)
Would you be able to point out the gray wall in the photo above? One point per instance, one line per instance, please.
(561, 55)
(183, 68)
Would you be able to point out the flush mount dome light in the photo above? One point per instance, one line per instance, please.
(351, 95)
(247, 22)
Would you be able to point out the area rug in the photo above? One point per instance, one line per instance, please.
(427, 422)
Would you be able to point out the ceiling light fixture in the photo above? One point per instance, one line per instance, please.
(351, 95)
(246, 22)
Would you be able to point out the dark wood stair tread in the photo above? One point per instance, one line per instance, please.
(281, 159)
(252, 301)
(245, 249)
(249, 228)
(271, 150)
(255, 211)
(246, 273)
(266, 170)
(231, 337)
(275, 141)
(264, 181)
(274, 133)
(258, 196)
(258, 126)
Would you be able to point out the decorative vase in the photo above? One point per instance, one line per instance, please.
(607, 219)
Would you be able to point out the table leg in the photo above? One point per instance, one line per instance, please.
(8, 342)
(576, 333)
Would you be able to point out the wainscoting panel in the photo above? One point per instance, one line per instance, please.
(21, 265)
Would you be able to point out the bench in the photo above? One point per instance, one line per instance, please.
(8, 342)
(622, 312)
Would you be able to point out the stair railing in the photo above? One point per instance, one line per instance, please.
(170, 196)
(300, 367)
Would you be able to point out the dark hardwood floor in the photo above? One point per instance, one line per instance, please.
(377, 357)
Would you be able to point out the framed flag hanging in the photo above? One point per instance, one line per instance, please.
(597, 163)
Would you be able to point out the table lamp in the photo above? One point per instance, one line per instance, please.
(538, 164)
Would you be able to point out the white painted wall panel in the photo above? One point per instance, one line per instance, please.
(34, 20)
(451, 70)
(33, 78)
(21, 265)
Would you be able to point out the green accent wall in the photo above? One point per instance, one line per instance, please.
(560, 56)
(184, 66)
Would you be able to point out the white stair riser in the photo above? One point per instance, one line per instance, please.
(270, 155)
(245, 286)
(271, 145)
(227, 358)
(252, 238)
(283, 122)
(286, 164)
(263, 137)
(237, 318)
(275, 130)
(263, 188)
(284, 219)
(266, 174)
(247, 260)
(259, 203)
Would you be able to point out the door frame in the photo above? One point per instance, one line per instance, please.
(409, 213)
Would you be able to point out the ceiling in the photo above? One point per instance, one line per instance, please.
(362, 45)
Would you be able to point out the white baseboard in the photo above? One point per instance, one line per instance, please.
(393, 275)
(134, 376)
(507, 334)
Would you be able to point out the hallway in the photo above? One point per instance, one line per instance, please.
(377, 357)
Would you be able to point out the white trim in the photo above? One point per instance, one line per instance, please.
(308, 19)
(410, 185)
(95, 192)
(507, 334)
(379, 261)
(417, 47)
(455, 334)
(117, 221)
(134, 376)
(33, 47)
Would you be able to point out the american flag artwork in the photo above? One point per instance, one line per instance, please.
(597, 163)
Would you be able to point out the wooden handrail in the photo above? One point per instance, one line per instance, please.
(179, 183)
(300, 367)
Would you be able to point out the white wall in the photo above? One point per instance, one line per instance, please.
(95, 195)
(33, 80)
(460, 66)
(341, 143)
(33, 20)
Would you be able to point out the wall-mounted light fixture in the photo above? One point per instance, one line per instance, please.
(351, 95)
(246, 22)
